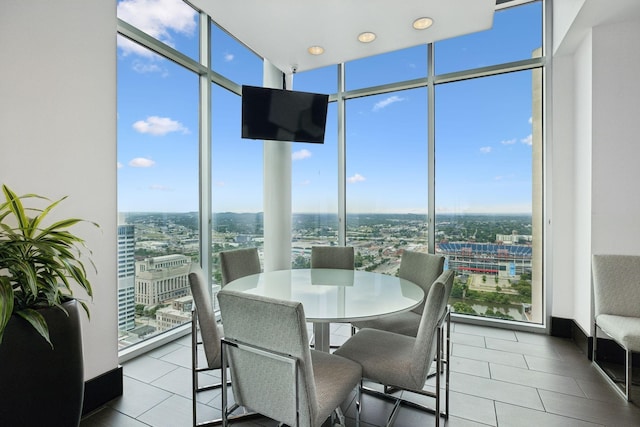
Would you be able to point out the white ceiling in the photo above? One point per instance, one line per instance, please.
(281, 31)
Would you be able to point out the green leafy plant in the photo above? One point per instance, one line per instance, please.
(38, 263)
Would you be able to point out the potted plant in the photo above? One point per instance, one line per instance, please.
(41, 365)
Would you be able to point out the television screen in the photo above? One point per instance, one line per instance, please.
(283, 115)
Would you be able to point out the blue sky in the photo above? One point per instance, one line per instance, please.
(483, 126)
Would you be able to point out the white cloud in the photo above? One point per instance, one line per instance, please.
(159, 126)
(119, 165)
(158, 187)
(219, 183)
(528, 140)
(148, 67)
(301, 154)
(228, 57)
(508, 141)
(356, 178)
(530, 120)
(305, 182)
(386, 102)
(128, 47)
(485, 149)
(141, 162)
(158, 18)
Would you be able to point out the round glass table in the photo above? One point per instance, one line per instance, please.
(334, 295)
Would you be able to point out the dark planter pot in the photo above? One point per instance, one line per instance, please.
(41, 386)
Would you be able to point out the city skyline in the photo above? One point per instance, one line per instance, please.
(483, 166)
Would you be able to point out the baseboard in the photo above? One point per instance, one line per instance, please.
(101, 389)
(568, 328)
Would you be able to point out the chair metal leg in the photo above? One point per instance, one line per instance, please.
(358, 403)
(447, 370)
(625, 388)
(629, 374)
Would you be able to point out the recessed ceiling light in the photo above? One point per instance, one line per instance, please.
(316, 50)
(422, 23)
(366, 37)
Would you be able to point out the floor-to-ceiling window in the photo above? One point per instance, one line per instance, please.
(158, 229)
(386, 177)
(484, 193)
(236, 163)
(487, 151)
(471, 106)
(488, 154)
(314, 181)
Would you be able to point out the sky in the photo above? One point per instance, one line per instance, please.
(483, 127)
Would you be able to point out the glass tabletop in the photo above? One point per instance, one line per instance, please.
(334, 295)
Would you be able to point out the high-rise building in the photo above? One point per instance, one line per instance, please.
(126, 277)
(162, 278)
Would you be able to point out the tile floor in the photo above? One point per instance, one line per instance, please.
(498, 378)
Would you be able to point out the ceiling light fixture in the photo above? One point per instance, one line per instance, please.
(422, 23)
(366, 37)
(316, 50)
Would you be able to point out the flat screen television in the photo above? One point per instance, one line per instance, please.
(283, 115)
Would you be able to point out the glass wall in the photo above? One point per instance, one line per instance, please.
(236, 163)
(488, 180)
(475, 114)
(484, 193)
(487, 151)
(158, 227)
(386, 138)
(314, 182)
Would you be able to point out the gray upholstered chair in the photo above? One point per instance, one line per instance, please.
(422, 269)
(203, 323)
(238, 263)
(616, 291)
(402, 362)
(274, 372)
(332, 257)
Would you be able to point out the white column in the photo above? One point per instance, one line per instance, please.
(277, 189)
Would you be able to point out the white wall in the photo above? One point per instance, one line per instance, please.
(58, 133)
(616, 139)
(562, 218)
(595, 170)
(582, 106)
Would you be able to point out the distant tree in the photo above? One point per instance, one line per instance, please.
(139, 309)
(484, 278)
(464, 308)
(359, 261)
(457, 291)
(301, 262)
(490, 313)
(217, 276)
(498, 289)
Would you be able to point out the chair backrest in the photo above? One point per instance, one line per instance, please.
(616, 284)
(422, 269)
(209, 329)
(425, 347)
(238, 263)
(332, 257)
(261, 383)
